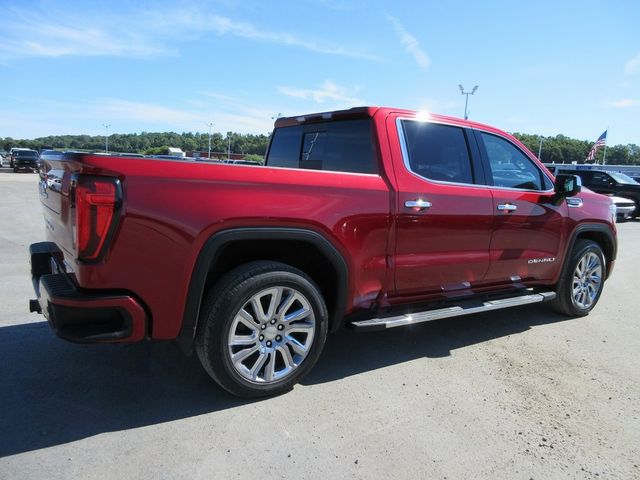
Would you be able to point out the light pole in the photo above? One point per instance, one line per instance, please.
(229, 145)
(106, 136)
(466, 102)
(540, 148)
(210, 125)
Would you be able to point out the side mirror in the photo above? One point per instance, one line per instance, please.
(567, 186)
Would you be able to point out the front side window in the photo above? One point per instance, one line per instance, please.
(601, 178)
(437, 152)
(510, 167)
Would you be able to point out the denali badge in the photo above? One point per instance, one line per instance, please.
(541, 260)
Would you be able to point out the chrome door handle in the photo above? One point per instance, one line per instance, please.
(419, 204)
(507, 207)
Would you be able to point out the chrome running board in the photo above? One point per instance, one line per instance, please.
(455, 311)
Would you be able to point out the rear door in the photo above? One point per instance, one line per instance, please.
(527, 232)
(444, 210)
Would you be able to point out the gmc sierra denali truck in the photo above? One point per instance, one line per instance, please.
(370, 217)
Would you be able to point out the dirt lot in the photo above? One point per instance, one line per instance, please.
(518, 394)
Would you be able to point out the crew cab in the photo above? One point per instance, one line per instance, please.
(370, 218)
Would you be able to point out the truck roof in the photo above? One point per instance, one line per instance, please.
(370, 111)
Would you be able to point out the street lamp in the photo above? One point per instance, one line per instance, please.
(466, 102)
(540, 148)
(210, 125)
(106, 136)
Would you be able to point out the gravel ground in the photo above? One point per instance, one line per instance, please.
(518, 394)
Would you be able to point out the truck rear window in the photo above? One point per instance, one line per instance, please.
(342, 146)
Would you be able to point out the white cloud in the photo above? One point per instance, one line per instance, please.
(633, 65)
(34, 34)
(150, 115)
(147, 112)
(327, 92)
(624, 103)
(410, 43)
(48, 32)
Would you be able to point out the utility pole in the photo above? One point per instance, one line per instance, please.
(106, 136)
(540, 149)
(209, 154)
(229, 145)
(466, 102)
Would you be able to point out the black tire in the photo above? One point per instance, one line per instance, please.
(220, 314)
(568, 302)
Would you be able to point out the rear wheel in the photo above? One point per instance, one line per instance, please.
(261, 329)
(582, 280)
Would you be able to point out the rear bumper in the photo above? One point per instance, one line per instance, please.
(77, 315)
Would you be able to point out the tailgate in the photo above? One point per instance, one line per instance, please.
(78, 205)
(55, 183)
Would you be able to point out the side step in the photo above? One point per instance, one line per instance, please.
(455, 311)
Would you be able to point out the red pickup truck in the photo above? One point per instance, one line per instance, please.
(369, 217)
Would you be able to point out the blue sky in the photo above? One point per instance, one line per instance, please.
(542, 67)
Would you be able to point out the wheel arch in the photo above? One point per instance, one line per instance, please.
(300, 248)
(599, 233)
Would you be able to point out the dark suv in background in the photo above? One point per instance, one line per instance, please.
(25, 160)
(610, 183)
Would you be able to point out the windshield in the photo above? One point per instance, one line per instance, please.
(51, 155)
(26, 153)
(622, 178)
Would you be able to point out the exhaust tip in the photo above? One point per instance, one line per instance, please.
(34, 306)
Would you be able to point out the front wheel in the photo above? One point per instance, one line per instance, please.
(261, 329)
(582, 280)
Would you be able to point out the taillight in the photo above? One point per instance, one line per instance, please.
(97, 202)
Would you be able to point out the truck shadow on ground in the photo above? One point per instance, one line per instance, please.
(53, 392)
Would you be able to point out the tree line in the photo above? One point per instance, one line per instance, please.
(562, 149)
(147, 142)
(558, 149)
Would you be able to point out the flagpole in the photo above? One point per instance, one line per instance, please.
(604, 158)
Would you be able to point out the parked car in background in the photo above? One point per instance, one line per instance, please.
(2, 155)
(12, 153)
(26, 160)
(610, 183)
(241, 162)
(625, 208)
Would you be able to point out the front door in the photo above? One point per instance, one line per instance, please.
(527, 233)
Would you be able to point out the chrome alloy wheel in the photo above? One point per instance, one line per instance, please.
(587, 280)
(271, 335)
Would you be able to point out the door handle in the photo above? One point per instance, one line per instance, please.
(507, 207)
(417, 204)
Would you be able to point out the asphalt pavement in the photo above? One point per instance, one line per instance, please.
(514, 394)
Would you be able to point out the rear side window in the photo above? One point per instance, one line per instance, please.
(342, 146)
(285, 147)
(437, 152)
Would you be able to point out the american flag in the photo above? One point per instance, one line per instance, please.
(602, 140)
